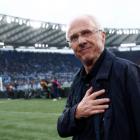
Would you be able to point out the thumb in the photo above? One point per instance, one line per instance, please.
(88, 92)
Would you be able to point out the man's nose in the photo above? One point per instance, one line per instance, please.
(81, 39)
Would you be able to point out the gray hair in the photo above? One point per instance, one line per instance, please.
(91, 18)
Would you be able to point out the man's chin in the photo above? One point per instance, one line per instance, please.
(87, 60)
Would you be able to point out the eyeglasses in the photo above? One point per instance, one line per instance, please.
(84, 33)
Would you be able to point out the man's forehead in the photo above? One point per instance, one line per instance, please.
(79, 25)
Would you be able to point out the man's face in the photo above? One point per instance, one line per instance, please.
(86, 40)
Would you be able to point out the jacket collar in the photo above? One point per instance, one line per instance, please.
(104, 70)
(106, 66)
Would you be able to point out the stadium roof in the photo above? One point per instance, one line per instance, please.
(17, 32)
(116, 13)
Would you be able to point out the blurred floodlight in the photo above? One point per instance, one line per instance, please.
(1, 17)
(128, 45)
(35, 24)
(1, 43)
(63, 28)
(8, 19)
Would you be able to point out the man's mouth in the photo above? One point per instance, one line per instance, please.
(84, 49)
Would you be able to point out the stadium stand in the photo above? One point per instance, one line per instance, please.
(24, 70)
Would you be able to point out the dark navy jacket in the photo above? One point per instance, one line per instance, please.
(121, 80)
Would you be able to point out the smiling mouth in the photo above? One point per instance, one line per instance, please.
(84, 49)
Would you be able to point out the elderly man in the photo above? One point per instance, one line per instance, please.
(104, 102)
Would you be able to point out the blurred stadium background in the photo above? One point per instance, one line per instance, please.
(31, 51)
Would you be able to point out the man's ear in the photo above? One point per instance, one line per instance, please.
(103, 37)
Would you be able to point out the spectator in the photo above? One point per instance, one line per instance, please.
(44, 84)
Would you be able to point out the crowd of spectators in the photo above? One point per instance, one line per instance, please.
(25, 70)
(27, 63)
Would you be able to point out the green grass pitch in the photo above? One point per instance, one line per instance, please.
(33, 119)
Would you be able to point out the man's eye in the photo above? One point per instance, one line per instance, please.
(86, 33)
(74, 38)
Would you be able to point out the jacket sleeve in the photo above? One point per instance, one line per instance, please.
(133, 97)
(67, 125)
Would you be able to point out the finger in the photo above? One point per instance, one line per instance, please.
(101, 101)
(100, 107)
(97, 93)
(89, 91)
(97, 111)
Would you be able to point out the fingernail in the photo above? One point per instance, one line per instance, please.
(108, 99)
(103, 90)
(107, 106)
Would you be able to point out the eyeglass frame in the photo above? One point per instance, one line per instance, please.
(90, 33)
